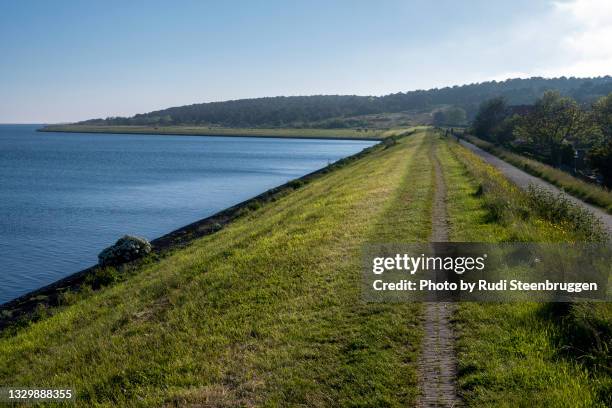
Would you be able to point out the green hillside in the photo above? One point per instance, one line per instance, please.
(350, 111)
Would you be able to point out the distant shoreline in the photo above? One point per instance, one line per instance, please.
(275, 133)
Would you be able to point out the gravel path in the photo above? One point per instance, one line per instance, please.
(438, 361)
(523, 179)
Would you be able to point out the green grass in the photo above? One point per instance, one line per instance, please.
(263, 312)
(586, 191)
(512, 354)
(220, 131)
(268, 310)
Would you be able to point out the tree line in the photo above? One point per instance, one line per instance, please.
(556, 129)
(332, 110)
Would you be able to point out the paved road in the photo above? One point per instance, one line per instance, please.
(523, 179)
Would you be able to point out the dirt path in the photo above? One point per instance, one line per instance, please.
(438, 361)
(523, 179)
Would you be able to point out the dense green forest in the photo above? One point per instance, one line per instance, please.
(337, 111)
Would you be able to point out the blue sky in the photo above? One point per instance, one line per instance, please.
(73, 60)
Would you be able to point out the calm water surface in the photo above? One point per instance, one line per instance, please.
(65, 196)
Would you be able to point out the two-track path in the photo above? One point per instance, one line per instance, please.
(523, 180)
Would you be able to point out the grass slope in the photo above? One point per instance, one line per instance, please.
(588, 192)
(373, 134)
(265, 311)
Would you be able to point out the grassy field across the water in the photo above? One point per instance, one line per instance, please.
(365, 134)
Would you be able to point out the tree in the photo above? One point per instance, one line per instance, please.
(553, 122)
(452, 116)
(602, 114)
(490, 114)
(600, 156)
(301, 110)
(439, 118)
(455, 116)
(504, 132)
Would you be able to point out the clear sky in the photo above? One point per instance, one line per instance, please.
(73, 60)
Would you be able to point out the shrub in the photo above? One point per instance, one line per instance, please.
(102, 277)
(295, 184)
(389, 142)
(127, 248)
(558, 208)
(254, 205)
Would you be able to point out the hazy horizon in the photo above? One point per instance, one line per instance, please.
(69, 61)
